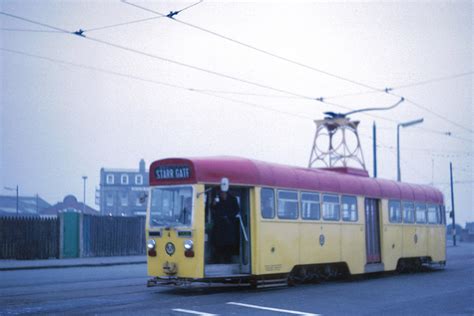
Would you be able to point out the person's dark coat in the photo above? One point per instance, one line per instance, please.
(226, 224)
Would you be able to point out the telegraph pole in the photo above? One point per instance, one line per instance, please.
(84, 204)
(374, 136)
(452, 204)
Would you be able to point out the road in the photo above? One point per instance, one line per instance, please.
(121, 290)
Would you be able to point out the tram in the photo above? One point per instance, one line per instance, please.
(292, 223)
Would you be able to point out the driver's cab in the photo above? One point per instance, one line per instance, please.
(227, 230)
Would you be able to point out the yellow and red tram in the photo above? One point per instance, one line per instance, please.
(293, 223)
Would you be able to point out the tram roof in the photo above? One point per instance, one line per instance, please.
(242, 171)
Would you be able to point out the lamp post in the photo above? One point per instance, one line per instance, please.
(406, 124)
(17, 197)
(84, 204)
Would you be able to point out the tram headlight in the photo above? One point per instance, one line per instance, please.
(188, 244)
(151, 244)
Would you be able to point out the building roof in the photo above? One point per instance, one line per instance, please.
(242, 171)
(27, 205)
(69, 204)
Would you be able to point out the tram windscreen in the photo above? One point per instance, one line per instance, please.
(171, 207)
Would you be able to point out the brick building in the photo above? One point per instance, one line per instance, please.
(122, 191)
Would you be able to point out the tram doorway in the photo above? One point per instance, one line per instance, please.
(372, 231)
(227, 231)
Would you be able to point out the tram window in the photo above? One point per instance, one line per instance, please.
(310, 206)
(395, 211)
(442, 214)
(287, 204)
(267, 203)
(331, 207)
(349, 208)
(432, 214)
(408, 212)
(420, 211)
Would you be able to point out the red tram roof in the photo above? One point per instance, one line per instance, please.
(242, 171)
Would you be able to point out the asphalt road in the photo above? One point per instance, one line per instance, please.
(121, 290)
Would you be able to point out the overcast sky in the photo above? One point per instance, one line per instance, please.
(60, 121)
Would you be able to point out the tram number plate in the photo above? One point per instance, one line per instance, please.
(172, 172)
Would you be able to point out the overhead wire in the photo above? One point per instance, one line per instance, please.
(110, 72)
(191, 66)
(386, 90)
(28, 30)
(256, 48)
(129, 49)
(87, 30)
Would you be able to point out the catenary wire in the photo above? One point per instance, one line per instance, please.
(173, 86)
(292, 61)
(28, 30)
(195, 67)
(139, 20)
(121, 24)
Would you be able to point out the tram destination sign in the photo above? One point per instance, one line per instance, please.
(172, 172)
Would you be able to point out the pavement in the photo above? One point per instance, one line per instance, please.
(8, 265)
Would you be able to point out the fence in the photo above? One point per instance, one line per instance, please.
(112, 236)
(71, 235)
(29, 238)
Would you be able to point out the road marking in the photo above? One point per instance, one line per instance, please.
(273, 309)
(193, 312)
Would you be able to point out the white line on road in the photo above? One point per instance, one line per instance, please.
(193, 312)
(273, 309)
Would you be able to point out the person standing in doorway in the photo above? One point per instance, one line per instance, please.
(226, 233)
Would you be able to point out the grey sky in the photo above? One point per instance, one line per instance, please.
(59, 122)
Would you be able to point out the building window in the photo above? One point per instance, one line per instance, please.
(408, 212)
(310, 206)
(394, 211)
(420, 211)
(139, 179)
(287, 204)
(109, 201)
(124, 179)
(331, 207)
(267, 203)
(124, 199)
(110, 179)
(349, 208)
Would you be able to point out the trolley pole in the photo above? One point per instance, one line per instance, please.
(452, 203)
(374, 136)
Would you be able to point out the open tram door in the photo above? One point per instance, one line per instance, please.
(372, 236)
(227, 231)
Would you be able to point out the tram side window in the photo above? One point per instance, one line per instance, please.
(408, 212)
(395, 211)
(267, 203)
(420, 211)
(287, 204)
(432, 214)
(442, 214)
(331, 207)
(310, 206)
(349, 208)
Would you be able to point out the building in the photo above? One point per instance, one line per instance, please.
(122, 192)
(27, 205)
(69, 204)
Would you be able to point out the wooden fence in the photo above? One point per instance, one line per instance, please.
(112, 236)
(29, 238)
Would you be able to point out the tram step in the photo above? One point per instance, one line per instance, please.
(272, 283)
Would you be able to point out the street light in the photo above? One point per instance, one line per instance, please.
(84, 204)
(406, 124)
(17, 196)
